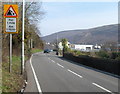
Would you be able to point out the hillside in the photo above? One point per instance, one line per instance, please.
(99, 35)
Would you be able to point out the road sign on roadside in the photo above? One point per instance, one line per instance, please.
(10, 25)
(11, 19)
(11, 11)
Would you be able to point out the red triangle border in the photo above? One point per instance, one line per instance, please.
(8, 10)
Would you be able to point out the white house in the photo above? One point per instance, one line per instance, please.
(82, 47)
(97, 47)
(61, 47)
(85, 48)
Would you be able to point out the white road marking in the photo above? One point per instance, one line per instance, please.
(75, 73)
(36, 80)
(102, 87)
(53, 61)
(49, 58)
(60, 65)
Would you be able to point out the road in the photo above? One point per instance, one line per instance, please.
(55, 74)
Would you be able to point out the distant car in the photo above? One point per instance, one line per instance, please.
(47, 51)
(51, 50)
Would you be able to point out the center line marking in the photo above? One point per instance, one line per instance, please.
(75, 73)
(53, 61)
(60, 65)
(102, 87)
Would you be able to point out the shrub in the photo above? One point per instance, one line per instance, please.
(102, 54)
(113, 55)
(117, 58)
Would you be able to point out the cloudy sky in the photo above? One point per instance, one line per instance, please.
(61, 16)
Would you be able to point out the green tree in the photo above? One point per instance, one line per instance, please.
(64, 44)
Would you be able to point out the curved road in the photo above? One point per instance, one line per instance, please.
(55, 74)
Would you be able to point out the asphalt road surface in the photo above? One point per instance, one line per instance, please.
(56, 74)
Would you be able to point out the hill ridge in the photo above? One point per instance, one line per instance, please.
(97, 35)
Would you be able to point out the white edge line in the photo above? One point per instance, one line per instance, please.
(36, 80)
(102, 87)
(60, 65)
(75, 73)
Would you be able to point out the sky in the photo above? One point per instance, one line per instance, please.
(60, 16)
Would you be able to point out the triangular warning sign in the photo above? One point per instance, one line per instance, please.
(10, 12)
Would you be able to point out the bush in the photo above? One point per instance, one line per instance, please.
(118, 58)
(108, 65)
(113, 55)
(102, 54)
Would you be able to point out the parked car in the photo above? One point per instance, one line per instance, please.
(47, 51)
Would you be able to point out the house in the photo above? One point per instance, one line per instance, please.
(82, 47)
(85, 48)
(61, 47)
(97, 46)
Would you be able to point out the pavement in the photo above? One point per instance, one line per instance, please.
(50, 73)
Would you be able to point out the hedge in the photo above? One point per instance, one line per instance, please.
(107, 65)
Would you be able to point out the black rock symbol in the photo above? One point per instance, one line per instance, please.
(10, 13)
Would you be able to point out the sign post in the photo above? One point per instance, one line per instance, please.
(10, 25)
(10, 58)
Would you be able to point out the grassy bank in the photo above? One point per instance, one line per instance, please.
(36, 50)
(12, 82)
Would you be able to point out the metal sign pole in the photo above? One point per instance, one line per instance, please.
(10, 64)
(10, 54)
(22, 70)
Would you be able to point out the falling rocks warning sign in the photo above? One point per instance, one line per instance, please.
(11, 19)
(10, 11)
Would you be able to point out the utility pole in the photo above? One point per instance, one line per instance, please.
(23, 24)
(31, 43)
(57, 45)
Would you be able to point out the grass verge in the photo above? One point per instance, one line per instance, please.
(34, 50)
(12, 82)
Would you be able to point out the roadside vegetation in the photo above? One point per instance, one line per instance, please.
(107, 61)
(100, 54)
(113, 55)
(36, 50)
(13, 82)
